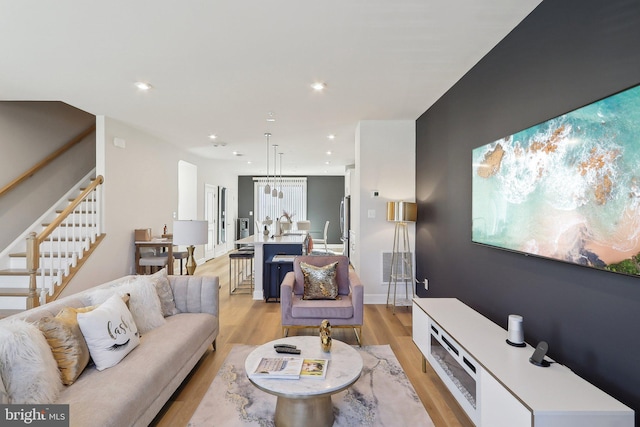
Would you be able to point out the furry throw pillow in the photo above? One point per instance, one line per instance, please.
(28, 369)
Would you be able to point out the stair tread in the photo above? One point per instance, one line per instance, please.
(84, 224)
(45, 254)
(5, 292)
(22, 272)
(64, 239)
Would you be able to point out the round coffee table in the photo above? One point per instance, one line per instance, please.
(307, 401)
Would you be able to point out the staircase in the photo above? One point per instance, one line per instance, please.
(46, 257)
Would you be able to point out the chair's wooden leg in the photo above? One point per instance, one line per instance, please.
(285, 332)
(214, 344)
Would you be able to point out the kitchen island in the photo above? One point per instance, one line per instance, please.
(265, 248)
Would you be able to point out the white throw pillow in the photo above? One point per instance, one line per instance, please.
(144, 304)
(110, 332)
(165, 293)
(28, 370)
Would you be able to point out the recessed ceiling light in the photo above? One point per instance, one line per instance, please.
(327, 163)
(318, 86)
(236, 153)
(331, 136)
(270, 117)
(213, 136)
(143, 86)
(249, 162)
(328, 153)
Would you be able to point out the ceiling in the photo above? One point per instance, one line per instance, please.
(220, 67)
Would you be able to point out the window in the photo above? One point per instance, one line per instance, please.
(294, 200)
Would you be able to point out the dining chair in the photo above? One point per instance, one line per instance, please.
(324, 238)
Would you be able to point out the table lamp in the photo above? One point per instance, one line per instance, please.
(190, 233)
(401, 262)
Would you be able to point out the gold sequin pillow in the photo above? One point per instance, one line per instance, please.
(67, 342)
(320, 282)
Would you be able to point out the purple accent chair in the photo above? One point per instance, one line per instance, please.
(344, 312)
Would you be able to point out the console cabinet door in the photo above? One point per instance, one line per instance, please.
(498, 407)
(421, 334)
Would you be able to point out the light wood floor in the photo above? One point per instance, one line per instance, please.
(245, 321)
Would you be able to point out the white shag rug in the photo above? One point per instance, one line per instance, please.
(383, 396)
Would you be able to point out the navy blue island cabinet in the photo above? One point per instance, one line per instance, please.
(278, 261)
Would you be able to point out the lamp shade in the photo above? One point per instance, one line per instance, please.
(402, 211)
(190, 232)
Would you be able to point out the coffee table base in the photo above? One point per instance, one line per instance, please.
(309, 412)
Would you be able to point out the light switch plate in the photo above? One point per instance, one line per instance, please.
(371, 213)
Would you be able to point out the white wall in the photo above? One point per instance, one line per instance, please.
(141, 191)
(385, 161)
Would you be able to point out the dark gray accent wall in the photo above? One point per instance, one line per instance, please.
(324, 194)
(565, 54)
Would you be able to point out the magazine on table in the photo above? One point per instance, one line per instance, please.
(290, 368)
(314, 368)
(278, 367)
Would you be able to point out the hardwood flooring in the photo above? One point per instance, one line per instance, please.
(245, 321)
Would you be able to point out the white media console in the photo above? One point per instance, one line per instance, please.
(495, 383)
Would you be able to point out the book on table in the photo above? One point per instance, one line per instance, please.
(314, 368)
(290, 368)
(278, 367)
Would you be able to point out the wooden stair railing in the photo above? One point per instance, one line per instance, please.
(34, 241)
(44, 162)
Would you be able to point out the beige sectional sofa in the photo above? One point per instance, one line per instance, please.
(132, 392)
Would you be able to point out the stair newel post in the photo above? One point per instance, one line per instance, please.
(99, 206)
(33, 261)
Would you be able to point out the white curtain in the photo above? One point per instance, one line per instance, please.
(294, 200)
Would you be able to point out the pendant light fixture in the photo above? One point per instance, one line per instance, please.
(274, 192)
(280, 194)
(267, 187)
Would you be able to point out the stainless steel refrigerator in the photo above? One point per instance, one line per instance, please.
(345, 223)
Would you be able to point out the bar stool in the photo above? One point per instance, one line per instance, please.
(241, 271)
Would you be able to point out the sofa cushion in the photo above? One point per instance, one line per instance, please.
(28, 370)
(67, 343)
(126, 390)
(110, 332)
(342, 308)
(319, 281)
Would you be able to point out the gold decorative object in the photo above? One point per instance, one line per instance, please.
(325, 336)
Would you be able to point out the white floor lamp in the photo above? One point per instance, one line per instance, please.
(190, 233)
(401, 259)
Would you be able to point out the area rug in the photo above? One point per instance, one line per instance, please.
(383, 396)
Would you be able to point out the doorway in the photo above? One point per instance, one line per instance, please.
(211, 215)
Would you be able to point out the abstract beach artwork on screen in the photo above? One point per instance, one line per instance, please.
(567, 189)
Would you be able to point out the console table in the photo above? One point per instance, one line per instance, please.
(495, 383)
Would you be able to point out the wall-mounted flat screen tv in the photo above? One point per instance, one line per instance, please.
(567, 189)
